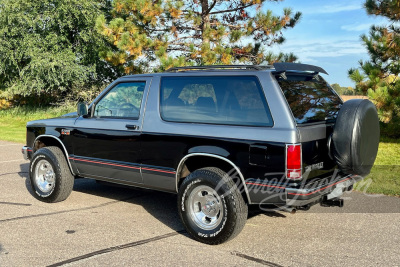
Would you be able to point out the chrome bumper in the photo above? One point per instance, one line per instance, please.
(27, 152)
(331, 190)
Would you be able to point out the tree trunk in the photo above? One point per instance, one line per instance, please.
(205, 16)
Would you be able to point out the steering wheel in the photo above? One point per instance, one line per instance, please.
(128, 105)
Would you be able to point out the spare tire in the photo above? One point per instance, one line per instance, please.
(355, 137)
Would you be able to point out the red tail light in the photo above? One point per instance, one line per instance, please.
(293, 162)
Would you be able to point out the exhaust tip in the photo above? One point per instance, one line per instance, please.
(291, 210)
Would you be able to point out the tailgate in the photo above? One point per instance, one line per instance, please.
(315, 106)
(317, 160)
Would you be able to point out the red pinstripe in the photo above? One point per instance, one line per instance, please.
(297, 194)
(267, 185)
(119, 165)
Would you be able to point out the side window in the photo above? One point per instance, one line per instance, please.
(231, 100)
(122, 101)
(192, 92)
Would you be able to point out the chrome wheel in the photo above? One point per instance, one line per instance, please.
(205, 207)
(44, 176)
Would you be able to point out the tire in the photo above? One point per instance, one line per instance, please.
(50, 177)
(211, 207)
(355, 137)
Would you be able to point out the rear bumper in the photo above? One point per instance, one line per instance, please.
(27, 152)
(313, 192)
(301, 194)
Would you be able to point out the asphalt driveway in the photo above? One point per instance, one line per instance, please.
(102, 225)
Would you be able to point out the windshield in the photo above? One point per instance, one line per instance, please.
(311, 99)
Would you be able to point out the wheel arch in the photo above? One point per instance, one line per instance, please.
(51, 140)
(182, 168)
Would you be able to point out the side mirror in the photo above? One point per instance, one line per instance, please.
(82, 109)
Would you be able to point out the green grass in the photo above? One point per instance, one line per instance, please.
(385, 174)
(13, 121)
(384, 177)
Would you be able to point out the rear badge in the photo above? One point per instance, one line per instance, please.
(65, 132)
(316, 166)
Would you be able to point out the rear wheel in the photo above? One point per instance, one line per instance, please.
(49, 174)
(211, 207)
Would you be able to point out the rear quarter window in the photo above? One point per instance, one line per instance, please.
(310, 99)
(229, 100)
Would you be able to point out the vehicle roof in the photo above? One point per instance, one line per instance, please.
(280, 67)
(207, 71)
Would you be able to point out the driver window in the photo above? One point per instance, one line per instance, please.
(122, 101)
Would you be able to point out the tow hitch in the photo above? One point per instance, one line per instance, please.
(335, 202)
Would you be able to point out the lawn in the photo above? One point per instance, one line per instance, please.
(384, 177)
(13, 121)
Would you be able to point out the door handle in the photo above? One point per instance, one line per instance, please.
(132, 127)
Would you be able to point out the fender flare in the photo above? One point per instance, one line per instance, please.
(181, 163)
(61, 143)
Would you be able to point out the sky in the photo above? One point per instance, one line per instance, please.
(328, 35)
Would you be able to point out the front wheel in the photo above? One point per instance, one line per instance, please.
(211, 207)
(50, 177)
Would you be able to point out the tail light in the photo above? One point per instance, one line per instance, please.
(293, 162)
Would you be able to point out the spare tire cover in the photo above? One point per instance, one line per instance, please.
(355, 137)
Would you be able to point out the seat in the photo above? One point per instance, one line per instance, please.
(206, 104)
(172, 108)
(174, 102)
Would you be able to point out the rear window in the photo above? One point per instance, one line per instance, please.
(230, 100)
(310, 99)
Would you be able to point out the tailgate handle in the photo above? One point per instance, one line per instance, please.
(132, 127)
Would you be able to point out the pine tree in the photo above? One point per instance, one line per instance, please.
(379, 77)
(155, 34)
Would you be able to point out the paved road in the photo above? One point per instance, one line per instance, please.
(103, 225)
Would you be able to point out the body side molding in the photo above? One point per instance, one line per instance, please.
(180, 166)
(65, 150)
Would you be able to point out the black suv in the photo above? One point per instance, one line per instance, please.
(221, 137)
